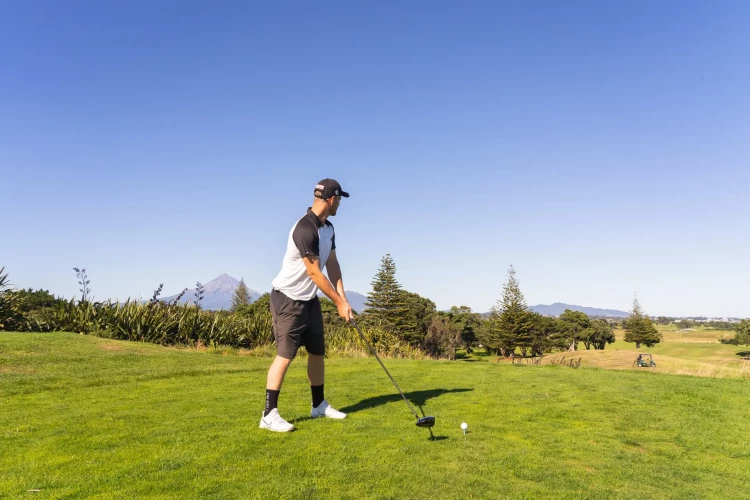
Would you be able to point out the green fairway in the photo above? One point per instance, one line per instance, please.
(697, 353)
(82, 416)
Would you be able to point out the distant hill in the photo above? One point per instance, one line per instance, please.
(217, 293)
(558, 308)
(356, 300)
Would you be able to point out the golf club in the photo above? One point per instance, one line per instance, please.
(421, 421)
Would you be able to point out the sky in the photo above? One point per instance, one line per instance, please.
(601, 148)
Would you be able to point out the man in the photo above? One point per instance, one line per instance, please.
(297, 318)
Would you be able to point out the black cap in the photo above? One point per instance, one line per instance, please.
(327, 188)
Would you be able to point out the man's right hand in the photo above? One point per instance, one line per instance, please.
(345, 310)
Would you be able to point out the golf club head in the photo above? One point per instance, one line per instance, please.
(426, 422)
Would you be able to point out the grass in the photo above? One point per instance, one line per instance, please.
(698, 353)
(86, 417)
(671, 334)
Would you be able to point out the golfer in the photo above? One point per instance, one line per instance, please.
(297, 318)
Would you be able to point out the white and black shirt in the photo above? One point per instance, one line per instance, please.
(308, 237)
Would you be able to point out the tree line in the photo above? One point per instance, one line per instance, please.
(398, 321)
(510, 329)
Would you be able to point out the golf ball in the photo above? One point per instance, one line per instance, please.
(464, 426)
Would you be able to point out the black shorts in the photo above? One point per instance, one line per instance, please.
(296, 323)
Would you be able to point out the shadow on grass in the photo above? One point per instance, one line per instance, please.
(466, 358)
(432, 437)
(417, 398)
(473, 356)
(744, 354)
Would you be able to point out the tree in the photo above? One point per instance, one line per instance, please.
(241, 295)
(443, 337)
(34, 300)
(510, 322)
(685, 324)
(261, 306)
(639, 328)
(331, 317)
(420, 313)
(386, 303)
(468, 323)
(571, 326)
(599, 334)
(543, 330)
(743, 332)
(632, 325)
(651, 336)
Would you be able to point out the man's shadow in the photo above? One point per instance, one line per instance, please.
(417, 398)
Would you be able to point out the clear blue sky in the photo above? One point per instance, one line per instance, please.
(602, 148)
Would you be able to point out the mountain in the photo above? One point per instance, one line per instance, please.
(217, 293)
(558, 308)
(356, 300)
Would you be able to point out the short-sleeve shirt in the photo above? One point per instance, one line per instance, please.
(308, 237)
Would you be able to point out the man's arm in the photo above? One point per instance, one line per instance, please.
(312, 265)
(334, 273)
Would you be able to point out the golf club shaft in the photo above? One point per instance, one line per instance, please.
(384, 368)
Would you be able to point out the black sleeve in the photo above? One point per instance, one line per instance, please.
(306, 239)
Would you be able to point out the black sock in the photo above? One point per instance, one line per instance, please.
(272, 401)
(317, 394)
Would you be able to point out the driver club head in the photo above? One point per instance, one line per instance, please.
(426, 422)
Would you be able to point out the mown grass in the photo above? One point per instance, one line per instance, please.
(698, 353)
(82, 416)
(699, 334)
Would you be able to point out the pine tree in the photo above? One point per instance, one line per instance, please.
(651, 336)
(639, 328)
(386, 304)
(241, 295)
(633, 325)
(510, 322)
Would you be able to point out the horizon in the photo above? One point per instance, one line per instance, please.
(166, 295)
(601, 149)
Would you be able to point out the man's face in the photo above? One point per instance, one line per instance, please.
(336, 201)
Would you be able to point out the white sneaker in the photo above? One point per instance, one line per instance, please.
(326, 410)
(274, 422)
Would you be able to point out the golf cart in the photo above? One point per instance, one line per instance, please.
(644, 361)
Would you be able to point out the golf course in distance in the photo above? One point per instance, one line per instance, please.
(86, 417)
(699, 352)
